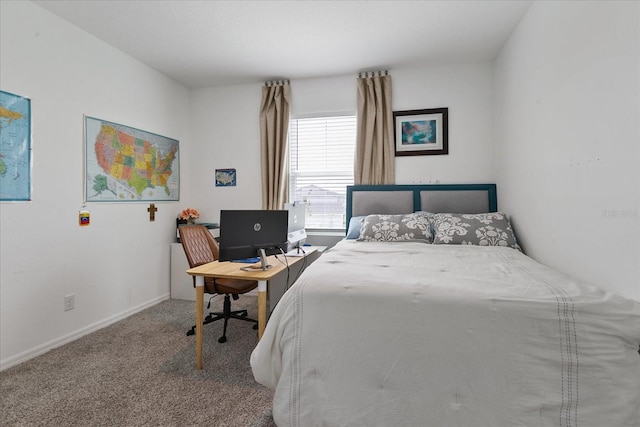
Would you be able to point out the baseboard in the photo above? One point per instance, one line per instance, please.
(41, 349)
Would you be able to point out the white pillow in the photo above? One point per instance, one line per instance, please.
(355, 223)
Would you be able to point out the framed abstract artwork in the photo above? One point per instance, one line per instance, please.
(421, 132)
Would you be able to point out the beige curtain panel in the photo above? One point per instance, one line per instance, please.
(375, 159)
(274, 126)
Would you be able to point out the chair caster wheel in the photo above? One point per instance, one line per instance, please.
(222, 340)
(255, 327)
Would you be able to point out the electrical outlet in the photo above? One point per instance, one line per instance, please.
(69, 302)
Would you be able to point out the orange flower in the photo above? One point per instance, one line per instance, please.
(189, 214)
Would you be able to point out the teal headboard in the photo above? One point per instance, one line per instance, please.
(435, 198)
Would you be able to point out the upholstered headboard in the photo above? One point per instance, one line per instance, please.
(435, 198)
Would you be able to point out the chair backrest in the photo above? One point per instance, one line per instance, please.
(199, 245)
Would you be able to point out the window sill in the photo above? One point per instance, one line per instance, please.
(326, 232)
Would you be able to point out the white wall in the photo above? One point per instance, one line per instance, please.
(225, 124)
(567, 150)
(120, 263)
(467, 91)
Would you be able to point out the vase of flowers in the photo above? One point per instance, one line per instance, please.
(189, 215)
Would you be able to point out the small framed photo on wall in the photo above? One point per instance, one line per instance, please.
(225, 177)
(421, 132)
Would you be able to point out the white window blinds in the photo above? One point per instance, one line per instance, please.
(321, 166)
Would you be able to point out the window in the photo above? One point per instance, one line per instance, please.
(321, 166)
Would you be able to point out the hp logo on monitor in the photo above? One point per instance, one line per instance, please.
(257, 226)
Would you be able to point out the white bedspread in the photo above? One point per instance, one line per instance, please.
(413, 334)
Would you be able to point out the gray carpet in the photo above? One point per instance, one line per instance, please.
(141, 372)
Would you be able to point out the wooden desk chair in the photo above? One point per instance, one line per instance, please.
(201, 248)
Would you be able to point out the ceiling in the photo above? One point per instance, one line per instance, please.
(212, 43)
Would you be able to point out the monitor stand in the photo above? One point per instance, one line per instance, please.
(263, 259)
(264, 265)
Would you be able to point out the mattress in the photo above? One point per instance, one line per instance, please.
(415, 334)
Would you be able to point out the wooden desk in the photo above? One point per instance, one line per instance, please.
(233, 270)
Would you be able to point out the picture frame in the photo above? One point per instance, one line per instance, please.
(226, 177)
(421, 132)
(15, 148)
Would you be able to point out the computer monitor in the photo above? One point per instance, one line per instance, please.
(252, 233)
(297, 235)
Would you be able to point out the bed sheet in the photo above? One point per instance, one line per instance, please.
(382, 334)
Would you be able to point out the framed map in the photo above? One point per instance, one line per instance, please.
(225, 177)
(125, 164)
(15, 147)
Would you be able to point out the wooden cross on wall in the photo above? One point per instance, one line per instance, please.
(152, 212)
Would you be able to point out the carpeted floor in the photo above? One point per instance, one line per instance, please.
(141, 372)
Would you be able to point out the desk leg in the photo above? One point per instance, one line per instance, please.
(199, 319)
(262, 307)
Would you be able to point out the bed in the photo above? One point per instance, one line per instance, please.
(462, 330)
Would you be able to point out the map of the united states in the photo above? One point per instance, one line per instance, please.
(132, 161)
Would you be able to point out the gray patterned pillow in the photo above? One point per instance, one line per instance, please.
(396, 228)
(489, 229)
